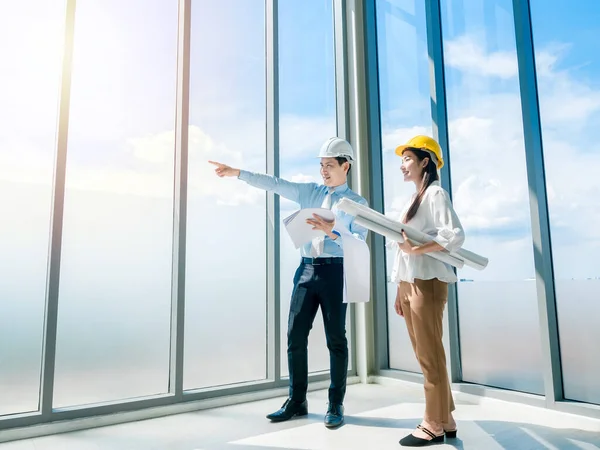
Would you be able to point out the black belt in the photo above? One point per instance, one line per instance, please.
(322, 261)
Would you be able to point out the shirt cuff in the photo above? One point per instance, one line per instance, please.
(450, 240)
(244, 175)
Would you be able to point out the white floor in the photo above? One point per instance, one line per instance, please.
(377, 417)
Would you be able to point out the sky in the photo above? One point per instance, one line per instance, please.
(118, 206)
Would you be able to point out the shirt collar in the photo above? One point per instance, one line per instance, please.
(340, 188)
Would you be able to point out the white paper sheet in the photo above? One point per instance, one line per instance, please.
(300, 231)
(357, 267)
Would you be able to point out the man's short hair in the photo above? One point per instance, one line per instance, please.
(341, 160)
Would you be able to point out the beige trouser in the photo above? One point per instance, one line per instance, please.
(423, 305)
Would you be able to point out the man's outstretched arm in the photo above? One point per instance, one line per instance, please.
(287, 189)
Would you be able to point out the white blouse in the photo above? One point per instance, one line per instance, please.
(437, 218)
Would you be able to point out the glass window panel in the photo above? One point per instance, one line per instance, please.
(307, 119)
(225, 332)
(568, 69)
(499, 327)
(32, 35)
(405, 112)
(115, 287)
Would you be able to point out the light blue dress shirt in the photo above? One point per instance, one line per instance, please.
(311, 195)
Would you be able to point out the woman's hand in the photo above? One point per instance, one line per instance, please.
(407, 246)
(326, 226)
(398, 304)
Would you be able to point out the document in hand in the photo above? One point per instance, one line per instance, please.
(300, 231)
(357, 267)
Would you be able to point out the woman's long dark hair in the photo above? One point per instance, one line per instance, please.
(430, 175)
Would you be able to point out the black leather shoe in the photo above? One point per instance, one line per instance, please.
(289, 409)
(335, 415)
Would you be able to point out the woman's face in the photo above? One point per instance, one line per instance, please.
(411, 167)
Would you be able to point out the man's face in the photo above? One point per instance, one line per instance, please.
(333, 173)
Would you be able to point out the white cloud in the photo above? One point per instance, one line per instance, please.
(545, 60)
(146, 166)
(302, 137)
(565, 101)
(301, 178)
(485, 203)
(202, 181)
(466, 54)
(392, 138)
(121, 181)
(157, 148)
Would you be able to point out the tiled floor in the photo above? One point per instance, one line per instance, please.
(377, 417)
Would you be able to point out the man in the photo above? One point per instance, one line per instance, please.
(319, 279)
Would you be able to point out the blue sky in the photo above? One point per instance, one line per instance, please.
(573, 23)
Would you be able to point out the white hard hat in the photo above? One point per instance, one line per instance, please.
(335, 147)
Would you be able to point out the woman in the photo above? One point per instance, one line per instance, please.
(423, 283)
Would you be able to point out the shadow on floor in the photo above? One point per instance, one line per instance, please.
(524, 435)
(509, 435)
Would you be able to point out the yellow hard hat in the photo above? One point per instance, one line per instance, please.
(427, 144)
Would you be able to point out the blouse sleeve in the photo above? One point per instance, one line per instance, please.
(450, 233)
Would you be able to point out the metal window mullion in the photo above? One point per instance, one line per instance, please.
(273, 211)
(180, 201)
(374, 175)
(538, 203)
(56, 225)
(439, 115)
(340, 54)
(340, 38)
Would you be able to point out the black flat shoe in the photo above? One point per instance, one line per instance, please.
(290, 408)
(450, 434)
(413, 441)
(335, 415)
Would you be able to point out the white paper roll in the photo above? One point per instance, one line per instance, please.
(469, 258)
(396, 236)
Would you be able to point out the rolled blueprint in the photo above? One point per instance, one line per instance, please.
(396, 236)
(471, 259)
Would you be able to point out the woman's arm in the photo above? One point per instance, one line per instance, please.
(413, 249)
(450, 235)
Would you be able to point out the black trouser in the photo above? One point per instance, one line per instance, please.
(317, 285)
